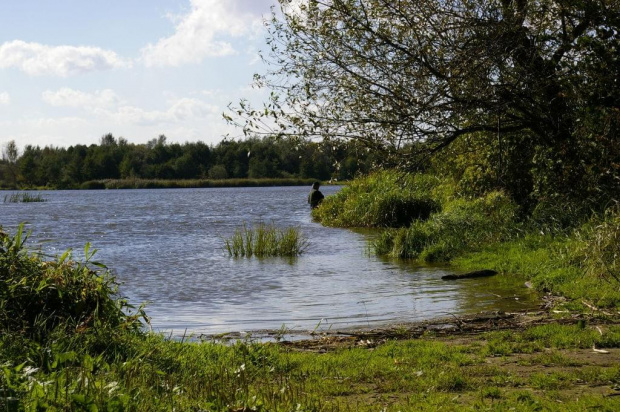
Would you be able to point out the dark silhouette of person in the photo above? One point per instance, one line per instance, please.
(315, 197)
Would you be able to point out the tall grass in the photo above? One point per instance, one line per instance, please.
(383, 199)
(426, 218)
(24, 197)
(264, 240)
(462, 225)
(40, 296)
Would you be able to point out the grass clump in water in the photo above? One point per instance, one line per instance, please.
(264, 240)
(24, 197)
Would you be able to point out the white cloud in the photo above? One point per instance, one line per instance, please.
(106, 104)
(180, 110)
(206, 31)
(38, 59)
(5, 99)
(67, 97)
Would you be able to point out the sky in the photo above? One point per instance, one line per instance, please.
(72, 71)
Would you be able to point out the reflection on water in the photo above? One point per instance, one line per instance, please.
(166, 248)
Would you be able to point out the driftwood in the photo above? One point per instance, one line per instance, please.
(471, 275)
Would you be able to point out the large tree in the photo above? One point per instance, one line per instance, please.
(409, 78)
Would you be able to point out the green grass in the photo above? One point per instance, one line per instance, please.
(24, 197)
(264, 240)
(579, 262)
(383, 199)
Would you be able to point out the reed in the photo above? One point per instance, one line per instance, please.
(24, 197)
(264, 240)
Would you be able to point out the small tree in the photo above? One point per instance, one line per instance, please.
(10, 154)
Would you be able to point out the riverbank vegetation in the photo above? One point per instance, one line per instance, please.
(574, 255)
(70, 342)
(191, 183)
(265, 240)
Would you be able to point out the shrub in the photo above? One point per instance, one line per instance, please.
(38, 296)
(462, 225)
(93, 185)
(383, 199)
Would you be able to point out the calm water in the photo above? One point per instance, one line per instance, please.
(166, 248)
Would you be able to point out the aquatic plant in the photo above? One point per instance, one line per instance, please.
(264, 240)
(23, 197)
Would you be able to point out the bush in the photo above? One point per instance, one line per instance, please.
(461, 225)
(383, 199)
(38, 296)
(93, 185)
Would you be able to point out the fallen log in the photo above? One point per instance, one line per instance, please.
(471, 275)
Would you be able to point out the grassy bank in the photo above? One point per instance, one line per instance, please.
(190, 183)
(68, 341)
(578, 261)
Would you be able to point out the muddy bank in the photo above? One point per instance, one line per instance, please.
(454, 326)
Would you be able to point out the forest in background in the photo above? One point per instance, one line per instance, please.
(116, 158)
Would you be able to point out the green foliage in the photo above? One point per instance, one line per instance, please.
(37, 296)
(435, 222)
(191, 183)
(601, 247)
(106, 364)
(88, 167)
(462, 225)
(265, 240)
(382, 199)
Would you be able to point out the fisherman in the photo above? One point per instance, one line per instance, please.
(315, 197)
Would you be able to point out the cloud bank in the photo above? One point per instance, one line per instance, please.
(67, 97)
(5, 99)
(108, 105)
(38, 59)
(205, 31)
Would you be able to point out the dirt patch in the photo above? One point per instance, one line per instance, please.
(457, 329)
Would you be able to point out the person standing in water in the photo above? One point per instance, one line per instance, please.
(315, 197)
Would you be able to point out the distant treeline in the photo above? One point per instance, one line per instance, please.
(115, 158)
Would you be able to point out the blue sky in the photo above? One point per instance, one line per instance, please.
(74, 70)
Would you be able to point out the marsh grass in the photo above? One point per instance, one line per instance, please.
(265, 240)
(24, 197)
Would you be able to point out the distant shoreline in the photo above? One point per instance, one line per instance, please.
(183, 184)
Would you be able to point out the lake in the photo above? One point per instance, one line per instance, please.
(166, 248)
